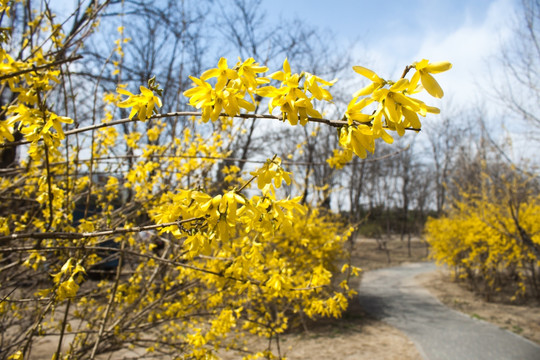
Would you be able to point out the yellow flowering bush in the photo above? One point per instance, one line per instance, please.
(491, 236)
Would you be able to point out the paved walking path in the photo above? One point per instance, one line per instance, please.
(439, 333)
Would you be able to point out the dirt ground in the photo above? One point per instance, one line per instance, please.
(354, 336)
(357, 336)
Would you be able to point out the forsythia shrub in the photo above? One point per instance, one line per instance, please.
(150, 253)
(491, 236)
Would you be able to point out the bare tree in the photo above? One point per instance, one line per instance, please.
(520, 92)
(443, 146)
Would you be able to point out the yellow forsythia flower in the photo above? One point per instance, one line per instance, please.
(142, 104)
(424, 69)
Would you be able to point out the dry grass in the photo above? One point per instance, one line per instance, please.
(371, 254)
(354, 336)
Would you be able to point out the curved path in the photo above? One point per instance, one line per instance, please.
(393, 296)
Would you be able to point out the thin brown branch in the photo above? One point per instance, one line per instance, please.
(150, 257)
(128, 252)
(110, 302)
(75, 235)
(406, 71)
(49, 189)
(202, 157)
(62, 330)
(330, 122)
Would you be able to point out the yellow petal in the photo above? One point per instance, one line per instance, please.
(222, 63)
(359, 117)
(412, 118)
(5, 132)
(313, 113)
(438, 67)
(246, 104)
(146, 92)
(132, 113)
(386, 137)
(142, 114)
(358, 148)
(408, 102)
(198, 81)
(220, 84)
(370, 74)
(262, 80)
(58, 127)
(210, 73)
(286, 66)
(65, 120)
(421, 64)
(123, 92)
(366, 90)
(400, 85)
(266, 91)
(231, 74)
(316, 90)
(366, 141)
(380, 94)
(431, 85)
(278, 75)
(413, 85)
(392, 110)
(400, 129)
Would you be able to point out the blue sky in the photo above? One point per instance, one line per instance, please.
(395, 22)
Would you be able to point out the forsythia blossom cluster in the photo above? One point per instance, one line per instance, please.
(68, 279)
(29, 114)
(232, 85)
(395, 110)
(143, 104)
(394, 107)
(271, 170)
(293, 99)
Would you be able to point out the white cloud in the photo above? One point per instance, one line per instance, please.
(472, 49)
